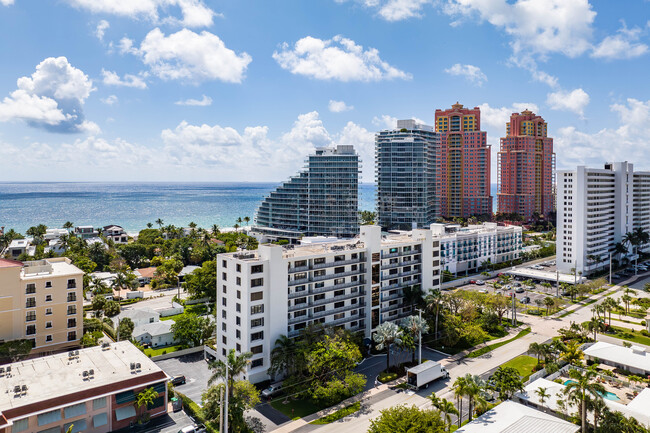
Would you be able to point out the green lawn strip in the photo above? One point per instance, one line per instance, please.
(486, 349)
(295, 409)
(159, 350)
(625, 321)
(341, 413)
(626, 334)
(174, 317)
(566, 313)
(524, 364)
(387, 376)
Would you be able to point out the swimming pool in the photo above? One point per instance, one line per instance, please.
(608, 395)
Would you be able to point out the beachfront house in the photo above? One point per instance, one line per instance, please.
(86, 232)
(116, 233)
(18, 247)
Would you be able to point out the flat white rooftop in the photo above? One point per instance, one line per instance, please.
(511, 417)
(59, 375)
(59, 266)
(634, 356)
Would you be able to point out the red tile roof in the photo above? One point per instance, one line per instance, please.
(146, 272)
(6, 263)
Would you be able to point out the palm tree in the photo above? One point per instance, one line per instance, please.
(541, 393)
(65, 241)
(432, 301)
(124, 279)
(549, 302)
(597, 406)
(536, 349)
(610, 304)
(239, 221)
(247, 220)
(572, 354)
(619, 249)
(385, 335)
(459, 387)
(446, 407)
(215, 229)
(595, 325)
(160, 222)
(579, 388)
(415, 326)
(475, 386)
(236, 227)
(283, 356)
(149, 225)
(236, 365)
(145, 398)
(626, 299)
(68, 225)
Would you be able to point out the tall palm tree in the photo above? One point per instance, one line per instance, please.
(579, 388)
(549, 302)
(236, 227)
(283, 356)
(236, 365)
(626, 299)
(594, 325)
(160, 222)
(619, 249)
(149, 225)
(542, 394)
(460, 387)
(446, 408)
(145, 398)
(386, 335)
(597, 406)
(124, 279)
(215, 229)
(475, 386)
(535, 349)
(415, 326)
(572, 354)
(68, 225)
(432, 301)
(610, 304)
(247, 220)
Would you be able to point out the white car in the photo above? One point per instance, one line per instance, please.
(272, 390)
(480, 282)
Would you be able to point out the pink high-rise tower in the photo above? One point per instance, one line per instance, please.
(463, 163)
(525, 167)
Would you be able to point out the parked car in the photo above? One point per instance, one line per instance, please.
(483, 291)
(519, 290)
(516, 284)
(480, 283)
(472, 281)
(178, 380)
(525, 300)
(272, 390)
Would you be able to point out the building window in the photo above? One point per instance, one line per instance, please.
(72, 323)
(48, 311)
(223, 352)
(72, 309)
(257, 309)
(224, 264)
(48, 298)
(31, 289)
(31, 330)
(224, 277)
(238, 321)
(99, 403)
(257, 269)
(224, 302)
(224, 290)
(238, 347)
(238, 267)
(72, 335)
(238, 334)
(256, 282)
(339, 304)
(257, 349)
(238, 294)
(339, 316)
(30, 316)
(72, 297)
(257, 296)
(223, 314)
(223, 326)
(224, 340)
(257, 336)
(238, 281)
(48, 324)
(319, 261)
(257, 363)
(319, 309)
(238, 307)
(257, 322)
(72, 284)
(30, 303)
(20, 425)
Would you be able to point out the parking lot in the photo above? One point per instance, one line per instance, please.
(196, 372)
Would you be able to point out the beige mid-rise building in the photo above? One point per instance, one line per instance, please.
(41, 301)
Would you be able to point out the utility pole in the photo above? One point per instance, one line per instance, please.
(514, 309)
(221, 410)
(420, 338)
(557, 283)
(610, 267)
(225, 418)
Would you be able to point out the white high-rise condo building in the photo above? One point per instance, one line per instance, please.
(406, 175)
(354, 284)
(322, 200)
(596, 208)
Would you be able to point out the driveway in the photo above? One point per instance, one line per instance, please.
(196, 372)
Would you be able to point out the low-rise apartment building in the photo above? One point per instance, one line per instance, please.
(468, 249)
(41, 301)
(92, 389)
(596, 208)
(355, 284)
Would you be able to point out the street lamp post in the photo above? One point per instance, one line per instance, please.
(420, 338)
(610, 267)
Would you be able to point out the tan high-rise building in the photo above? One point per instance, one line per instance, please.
(41, 301)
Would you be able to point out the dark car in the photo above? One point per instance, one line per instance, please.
(525, 300)
(178, 380)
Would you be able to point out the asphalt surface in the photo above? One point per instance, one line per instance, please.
(196, 372)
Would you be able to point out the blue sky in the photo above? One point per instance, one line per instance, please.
(184, 90)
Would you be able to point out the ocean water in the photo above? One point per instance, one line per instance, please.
(133, 205)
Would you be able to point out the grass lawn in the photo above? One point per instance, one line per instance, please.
(626, 334)
(387, 376)
(486, 349)
(174, 317)
(159, 350)
(341, 413)
(295, 409)
(524, 365)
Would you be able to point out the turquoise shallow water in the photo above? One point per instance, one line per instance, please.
(133, 205)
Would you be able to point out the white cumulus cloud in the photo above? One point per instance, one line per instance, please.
(100, 30)
(51, 98)
(623, 45)
(186, 55)
(109, 100)
(385, 121)
(338, 58)
(339, 106)
(194, 13)
(203, 102)
(574, 101)
(6, 2)
(394, 10)
(111, 78)
(497, 117)
(472, 73)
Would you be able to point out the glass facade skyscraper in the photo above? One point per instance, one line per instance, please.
(406, 176)
(322, 200)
